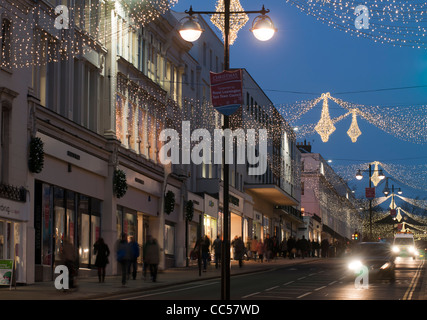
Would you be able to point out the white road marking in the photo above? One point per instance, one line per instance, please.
(303, 295)
(271, 288)
(320, 288)
(250, 295)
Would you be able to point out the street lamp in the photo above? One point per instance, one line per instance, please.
(262, 29)
(359, 176)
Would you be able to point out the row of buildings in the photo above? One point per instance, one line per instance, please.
(97, 95)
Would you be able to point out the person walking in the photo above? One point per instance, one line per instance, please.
(268, 247)
(152, 256)
(260, 250)
(303, 246)
(291, 244)
(123, 256)
(206, 243)
(324, 245)
(217, 247)
(134, 254)
(254, 246)
(239, 249)
(102, 252)
(68, 255)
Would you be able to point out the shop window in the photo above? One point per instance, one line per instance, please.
(59, 222)
(169, 239)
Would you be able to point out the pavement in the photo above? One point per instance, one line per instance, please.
(90, 288)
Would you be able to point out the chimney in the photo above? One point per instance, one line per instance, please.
(304, 148)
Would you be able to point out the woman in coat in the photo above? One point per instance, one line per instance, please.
(102, 252)
(152, 256)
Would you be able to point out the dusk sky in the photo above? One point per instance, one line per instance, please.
(306, 58)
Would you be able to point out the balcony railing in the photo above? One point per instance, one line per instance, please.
(12, 192)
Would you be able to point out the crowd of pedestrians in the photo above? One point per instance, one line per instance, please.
(128, 251)
(269, 249)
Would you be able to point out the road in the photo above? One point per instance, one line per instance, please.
(315, 280)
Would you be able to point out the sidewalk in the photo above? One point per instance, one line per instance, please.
(90, 288)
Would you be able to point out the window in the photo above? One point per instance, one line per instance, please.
(6, 43)
(169, 239)
(4, 144)
(204, 54)
(44, 75)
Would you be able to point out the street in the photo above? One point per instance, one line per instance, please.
(314, 280)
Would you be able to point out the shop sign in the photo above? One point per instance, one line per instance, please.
(226, 91)
(6, 272)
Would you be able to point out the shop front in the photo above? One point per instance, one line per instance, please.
(61, 214)
(13, 227)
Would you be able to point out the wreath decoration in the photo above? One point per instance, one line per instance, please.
(120, 185)
(36, 155)
(169, 202)
(189, 210)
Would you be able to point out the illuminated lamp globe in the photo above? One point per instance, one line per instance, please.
(381, 175)
(359, 175)
(263, 28)
(190, 30)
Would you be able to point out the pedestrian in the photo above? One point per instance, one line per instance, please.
(260, 250)
(100, 248)
(254, 246)
(217, 247)
(152, 256)
(134, 254)
(206, 243)
(68, 255)
(274, 247)
(268, 247)
(123, 256)
(324, 245)
(313, 248)
(302, 244)
(284, 248)
(291, 244)
(239, 249)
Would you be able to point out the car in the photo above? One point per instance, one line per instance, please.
(377, 257)
(404, 245)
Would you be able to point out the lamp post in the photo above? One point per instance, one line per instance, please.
(359, 176)
(263, 30)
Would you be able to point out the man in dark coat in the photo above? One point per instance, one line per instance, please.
(100, 248)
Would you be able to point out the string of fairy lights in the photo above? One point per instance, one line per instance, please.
(42, 35)
(403, 122)
(398, 22)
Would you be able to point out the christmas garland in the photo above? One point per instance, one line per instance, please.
(36, 155)
(169, 202)
(120, 185)
(189, 210)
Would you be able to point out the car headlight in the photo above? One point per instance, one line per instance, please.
(385, 266)
(412, 249)
(355, 265)
(395, 249)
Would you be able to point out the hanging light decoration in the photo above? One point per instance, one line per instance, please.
(354, 131)
(237, 20)
(325, 127)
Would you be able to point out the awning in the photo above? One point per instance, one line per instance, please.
(272, 193)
